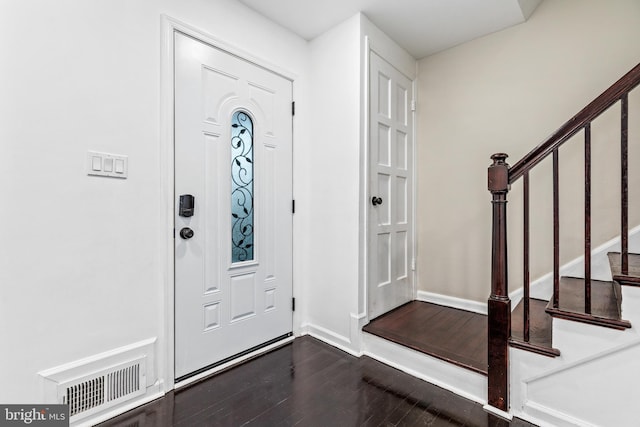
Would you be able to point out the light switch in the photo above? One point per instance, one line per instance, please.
(108, 164)
(96, 163)
(105, 164)
(119, 166)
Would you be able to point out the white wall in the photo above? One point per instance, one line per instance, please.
(330, 207)
(81, 258)
(506, 92)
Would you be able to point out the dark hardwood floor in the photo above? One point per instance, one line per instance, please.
(309, 383)
(457, 336)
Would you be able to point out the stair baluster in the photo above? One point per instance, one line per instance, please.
(556, 230)
(624, 184)
(525, 265)
(587, 218)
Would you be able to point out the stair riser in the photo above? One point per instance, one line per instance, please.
(461, 381)
(631, 306)
(579, 340)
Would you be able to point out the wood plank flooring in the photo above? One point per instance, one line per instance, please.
(309, 383)
(457, 336)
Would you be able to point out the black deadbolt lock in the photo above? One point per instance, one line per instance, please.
(186, 208)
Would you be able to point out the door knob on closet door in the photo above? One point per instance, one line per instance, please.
(375, 201)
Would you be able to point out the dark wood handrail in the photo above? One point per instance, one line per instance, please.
(599, 105)
(500, 178)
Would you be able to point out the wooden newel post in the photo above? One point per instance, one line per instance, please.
(499, 305)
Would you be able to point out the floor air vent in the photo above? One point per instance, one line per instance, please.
(103, 389)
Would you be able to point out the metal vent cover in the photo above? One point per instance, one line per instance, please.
(84, 396)
(103, 389)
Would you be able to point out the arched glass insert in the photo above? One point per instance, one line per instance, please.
(241, 187)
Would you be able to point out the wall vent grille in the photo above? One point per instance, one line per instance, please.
(85, 396)
(123, 382)
(103, 389)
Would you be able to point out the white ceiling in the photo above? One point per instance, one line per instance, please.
(422, 27)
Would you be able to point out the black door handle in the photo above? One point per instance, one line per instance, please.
(186, 233)
(375, 201)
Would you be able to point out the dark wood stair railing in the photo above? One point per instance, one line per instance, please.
(500, 178)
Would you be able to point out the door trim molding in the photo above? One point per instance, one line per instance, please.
(169, 25)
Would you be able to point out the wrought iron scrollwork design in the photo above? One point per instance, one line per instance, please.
(242, 225)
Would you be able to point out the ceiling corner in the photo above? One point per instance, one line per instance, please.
(528, 7)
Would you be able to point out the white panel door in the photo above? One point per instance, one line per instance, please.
(390, 279)
(233, 154)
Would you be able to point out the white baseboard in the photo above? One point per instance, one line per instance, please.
(336, 340)
(152, 394)
(548, 417)
(463, 382)
(449, 301)
(498, 412)
(357, 322)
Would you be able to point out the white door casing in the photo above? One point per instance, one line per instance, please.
(390, 248)
(226, 306)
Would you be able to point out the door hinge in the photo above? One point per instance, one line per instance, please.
(413, 105)
(293, 304)
(413, 264)
(293, 108)
(293, 206)
(174, 233)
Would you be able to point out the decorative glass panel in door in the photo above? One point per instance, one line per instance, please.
(242, 224)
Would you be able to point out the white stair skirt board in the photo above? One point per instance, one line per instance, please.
(463, 382)
(597, 390)
(454, 302)
(592, 383)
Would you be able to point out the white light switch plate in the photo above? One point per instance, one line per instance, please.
(105, 164)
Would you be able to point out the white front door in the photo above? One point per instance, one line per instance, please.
(390, 279)
(233, 250)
